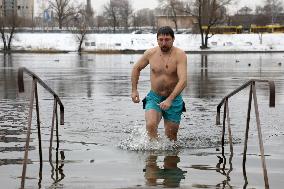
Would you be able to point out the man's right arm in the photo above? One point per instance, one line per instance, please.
(141, 64)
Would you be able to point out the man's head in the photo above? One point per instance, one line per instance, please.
(165, 38)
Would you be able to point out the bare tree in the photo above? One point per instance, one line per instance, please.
(118, 13)
(172, 8)
(81, 24)
(8, 25)
(208, 13)
(260, 37)
(144, 17)
(273, 8)
(100, 21)
(244, 10)
(261, 18)
(63, 10)
(258, 9)
(125, 10)
(111, 12)
(138, 20)
(152, 20)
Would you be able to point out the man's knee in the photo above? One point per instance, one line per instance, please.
(171, 125)
(151, 126)
(171, 130)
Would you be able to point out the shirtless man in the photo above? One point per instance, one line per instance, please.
(168, 65)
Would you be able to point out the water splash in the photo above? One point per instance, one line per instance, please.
(196, 137)
(138, 140)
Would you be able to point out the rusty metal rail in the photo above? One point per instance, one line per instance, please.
(252, 95)
(34, 95)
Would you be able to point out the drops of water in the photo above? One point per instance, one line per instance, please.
(139, 141)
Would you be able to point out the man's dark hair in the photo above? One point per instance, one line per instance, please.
(165, 30)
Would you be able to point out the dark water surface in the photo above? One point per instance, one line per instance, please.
(104, 138)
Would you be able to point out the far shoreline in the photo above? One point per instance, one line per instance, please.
(110, 52)
(137, 44)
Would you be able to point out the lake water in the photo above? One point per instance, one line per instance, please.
(104, 138)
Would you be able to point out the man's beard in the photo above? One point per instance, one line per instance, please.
(165, 48)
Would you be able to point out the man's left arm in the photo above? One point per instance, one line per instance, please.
(182, 81)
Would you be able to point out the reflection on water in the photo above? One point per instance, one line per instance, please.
(8, 77)
(95, 90)
(13, 161)
(168, 174)
(57, 173)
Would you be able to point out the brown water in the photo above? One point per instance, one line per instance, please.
(104, 138)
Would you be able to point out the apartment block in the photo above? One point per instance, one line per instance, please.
(23, 8)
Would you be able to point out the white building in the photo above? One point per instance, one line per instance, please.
(23, 8)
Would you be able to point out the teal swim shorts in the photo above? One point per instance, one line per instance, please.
(152, 101)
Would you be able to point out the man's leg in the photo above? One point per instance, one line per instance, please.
(171, 129)
(153, 119)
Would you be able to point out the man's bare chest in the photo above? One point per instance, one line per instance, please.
(167, 66)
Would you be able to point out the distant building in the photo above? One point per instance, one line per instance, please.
(23, 8)
(89, 13)
(183, 21)
(8, 7)
(246, 20)
(89, 9)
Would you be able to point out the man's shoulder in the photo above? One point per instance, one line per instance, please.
(148, 53)
(179, 51)
(180, 55)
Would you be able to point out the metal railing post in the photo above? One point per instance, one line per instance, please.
(39, 135)
(230, 140)
(246, 136)
(51, 138)
(28, 135)
(229, 126)
(261, 147)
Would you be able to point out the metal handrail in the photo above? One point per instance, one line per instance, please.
(252, 95)
(34, 95)
(43, 84)
(271, 95)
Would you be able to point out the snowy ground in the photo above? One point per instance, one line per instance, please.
(140, 42)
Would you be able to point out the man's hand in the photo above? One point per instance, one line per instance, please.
(166, 104)
(135, 96)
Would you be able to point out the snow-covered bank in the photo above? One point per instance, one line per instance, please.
(140, 42)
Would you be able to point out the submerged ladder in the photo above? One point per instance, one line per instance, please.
(34, 95)
(252, 95)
